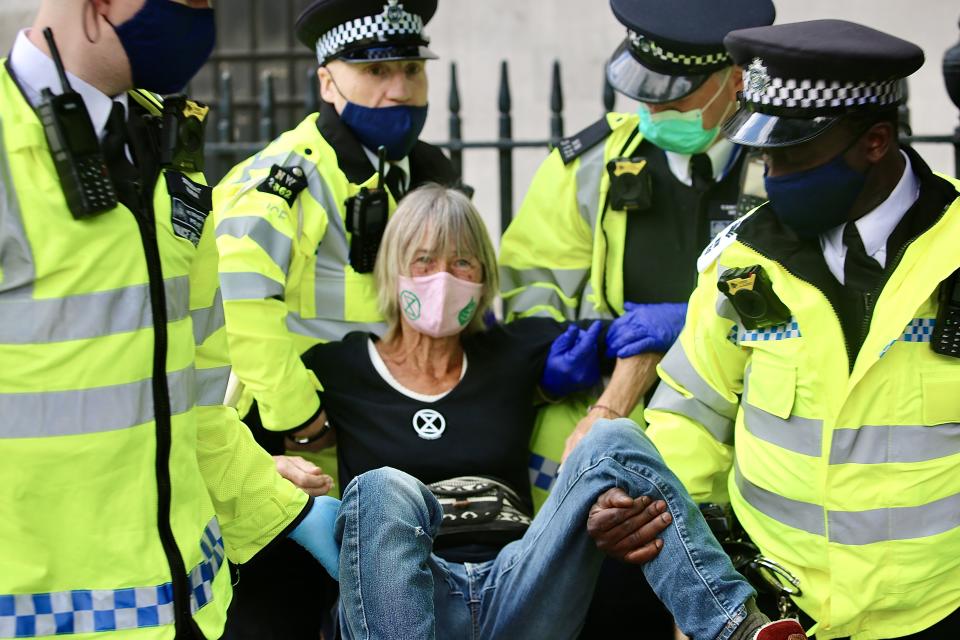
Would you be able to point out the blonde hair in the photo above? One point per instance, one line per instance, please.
(443, 221)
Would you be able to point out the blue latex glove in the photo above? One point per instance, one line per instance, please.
(573, 363)
(315, 534)
(645, 328)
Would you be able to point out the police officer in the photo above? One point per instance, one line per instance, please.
(124, 481)
(618, 213)
(816, 378)
(298, 227)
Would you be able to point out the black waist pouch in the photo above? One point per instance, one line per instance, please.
(479, 511)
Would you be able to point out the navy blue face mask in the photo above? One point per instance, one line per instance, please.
(812, 201)
(395, 128)
(166, 43)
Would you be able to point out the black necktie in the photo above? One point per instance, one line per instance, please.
(701, 172)
(395, 181)
(860, 271)
(124, 175)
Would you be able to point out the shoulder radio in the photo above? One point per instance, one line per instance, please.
(946, 333)
(81, 168)
(366, 220)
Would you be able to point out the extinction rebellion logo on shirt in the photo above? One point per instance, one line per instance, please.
(429, 424)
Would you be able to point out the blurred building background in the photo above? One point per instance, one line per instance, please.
(255, 37)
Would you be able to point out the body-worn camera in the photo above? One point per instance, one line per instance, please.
(751, 293)
(181, 144)
(630, 186)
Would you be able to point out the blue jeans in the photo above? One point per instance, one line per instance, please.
(393, 586)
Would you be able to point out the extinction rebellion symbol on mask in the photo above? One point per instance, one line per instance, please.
(429, 424)
(410, 304)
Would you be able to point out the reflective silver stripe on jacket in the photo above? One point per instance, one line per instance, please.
(16, 258)
(796, 434)
(569, 281)
(666, 398)
(212, 385)
(95, 410)
(589, 175)
(326, 330)
(249, 286)
(854, 527)
(881, 444)
(333, 255)
(274, 243)
(89, 315)
(208, 320)
(103, 610)
(534, 296)
(588, 309)
(707, 407)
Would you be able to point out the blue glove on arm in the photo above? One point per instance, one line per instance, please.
(573, 363)
(315, 534)
(645, 328)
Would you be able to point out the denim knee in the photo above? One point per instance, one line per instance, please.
(392, 493)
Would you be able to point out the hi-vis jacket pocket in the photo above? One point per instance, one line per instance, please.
(771, 385)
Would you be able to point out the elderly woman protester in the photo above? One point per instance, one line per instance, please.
(442, 400)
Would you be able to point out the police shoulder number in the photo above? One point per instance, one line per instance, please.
(284, 182)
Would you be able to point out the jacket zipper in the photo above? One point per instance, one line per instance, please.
(871, 296)
(183, 618)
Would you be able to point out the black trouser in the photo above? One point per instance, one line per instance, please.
(623, 600)
(281, 594)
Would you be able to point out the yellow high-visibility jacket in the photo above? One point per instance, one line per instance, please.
(554, 257)
(124, 481)
(285, 271)
(846, 473)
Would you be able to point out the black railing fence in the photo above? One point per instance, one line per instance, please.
(240, 126)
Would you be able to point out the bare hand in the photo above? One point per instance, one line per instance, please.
(583, 428)
(310, 430)
(626, 528)
(304, 474)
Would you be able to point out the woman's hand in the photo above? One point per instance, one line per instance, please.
(303, 473)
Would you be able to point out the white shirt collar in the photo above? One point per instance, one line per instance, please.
(720, 154)
(875, 227)
(35, 71)
(403, 163)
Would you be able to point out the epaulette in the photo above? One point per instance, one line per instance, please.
(576, 145)
(152, 102)
(722, 240)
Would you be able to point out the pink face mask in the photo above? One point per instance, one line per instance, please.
(440, 304)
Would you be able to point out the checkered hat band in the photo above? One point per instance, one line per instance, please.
(97, 610)
(813, 94)
(374, 28)
(646, 47)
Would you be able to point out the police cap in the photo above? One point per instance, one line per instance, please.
(801, 78)
(366, 30)
(672, 47)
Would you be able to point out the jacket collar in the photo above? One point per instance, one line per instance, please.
(351, 158)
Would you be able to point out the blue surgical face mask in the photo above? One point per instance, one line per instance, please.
(682, 131)
(166, 43)
(815, 200)
(395, 128)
